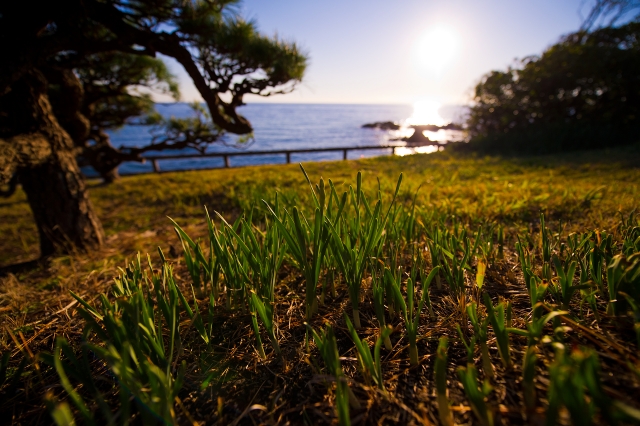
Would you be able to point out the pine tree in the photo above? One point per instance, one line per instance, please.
(66, 76)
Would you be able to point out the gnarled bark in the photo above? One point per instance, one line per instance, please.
(22, 151)
(60, 205)
(43, 155)
(103, 157)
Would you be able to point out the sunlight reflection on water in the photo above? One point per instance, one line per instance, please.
(430, 149)
(300, 126)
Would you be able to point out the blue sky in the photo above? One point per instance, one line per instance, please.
(404, 51)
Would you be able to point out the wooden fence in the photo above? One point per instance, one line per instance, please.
(286, 152)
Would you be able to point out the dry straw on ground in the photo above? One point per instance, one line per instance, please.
(245, 388)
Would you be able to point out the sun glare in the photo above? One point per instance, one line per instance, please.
(426, 112)
(436, 49)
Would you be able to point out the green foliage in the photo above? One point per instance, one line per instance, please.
(378, 294)
(440, 378)
(127, 364)
(635, 312)
(470, 346)
(355, 238)
(476, 396)
(113, 85)
(623, 275)
(308, 241)
(480, 329)
(580, 93)
(371, 365)
(102, 71)
(139, 335)
(434, 243)
(196, 131)
(454, 272)
(496, 318)
(60, 413)
(410, 310)
(563, 289)
(526, 265)
(629, 229)
(326, 343)
(575, 384)
(535, 327)
(537, 291)
(265, 253)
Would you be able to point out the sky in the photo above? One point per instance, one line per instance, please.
(405, 51)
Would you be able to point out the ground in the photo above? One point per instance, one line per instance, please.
(576, 192)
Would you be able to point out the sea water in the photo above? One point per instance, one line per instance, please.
(278, 127)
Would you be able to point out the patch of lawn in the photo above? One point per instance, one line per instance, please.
(324, 311)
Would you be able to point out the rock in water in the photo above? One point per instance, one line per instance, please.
(382, 125)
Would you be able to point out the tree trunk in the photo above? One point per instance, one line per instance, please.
(55, 188)
(104, 158)
(111, 175)
(61, 207)
(67, 104)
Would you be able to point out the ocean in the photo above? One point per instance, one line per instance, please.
(285, 126)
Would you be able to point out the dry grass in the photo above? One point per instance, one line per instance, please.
(578, 192)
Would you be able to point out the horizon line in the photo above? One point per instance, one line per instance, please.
(314, 103)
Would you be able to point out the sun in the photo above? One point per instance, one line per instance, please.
(426, 112)
(436, 49)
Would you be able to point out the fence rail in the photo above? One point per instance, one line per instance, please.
(287, 152)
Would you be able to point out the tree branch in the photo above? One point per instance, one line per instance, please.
(28, 150)
(222, 114)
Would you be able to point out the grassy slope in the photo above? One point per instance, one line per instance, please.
(581, 190)
(487, 188)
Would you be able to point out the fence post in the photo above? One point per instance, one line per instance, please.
(227, 160)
